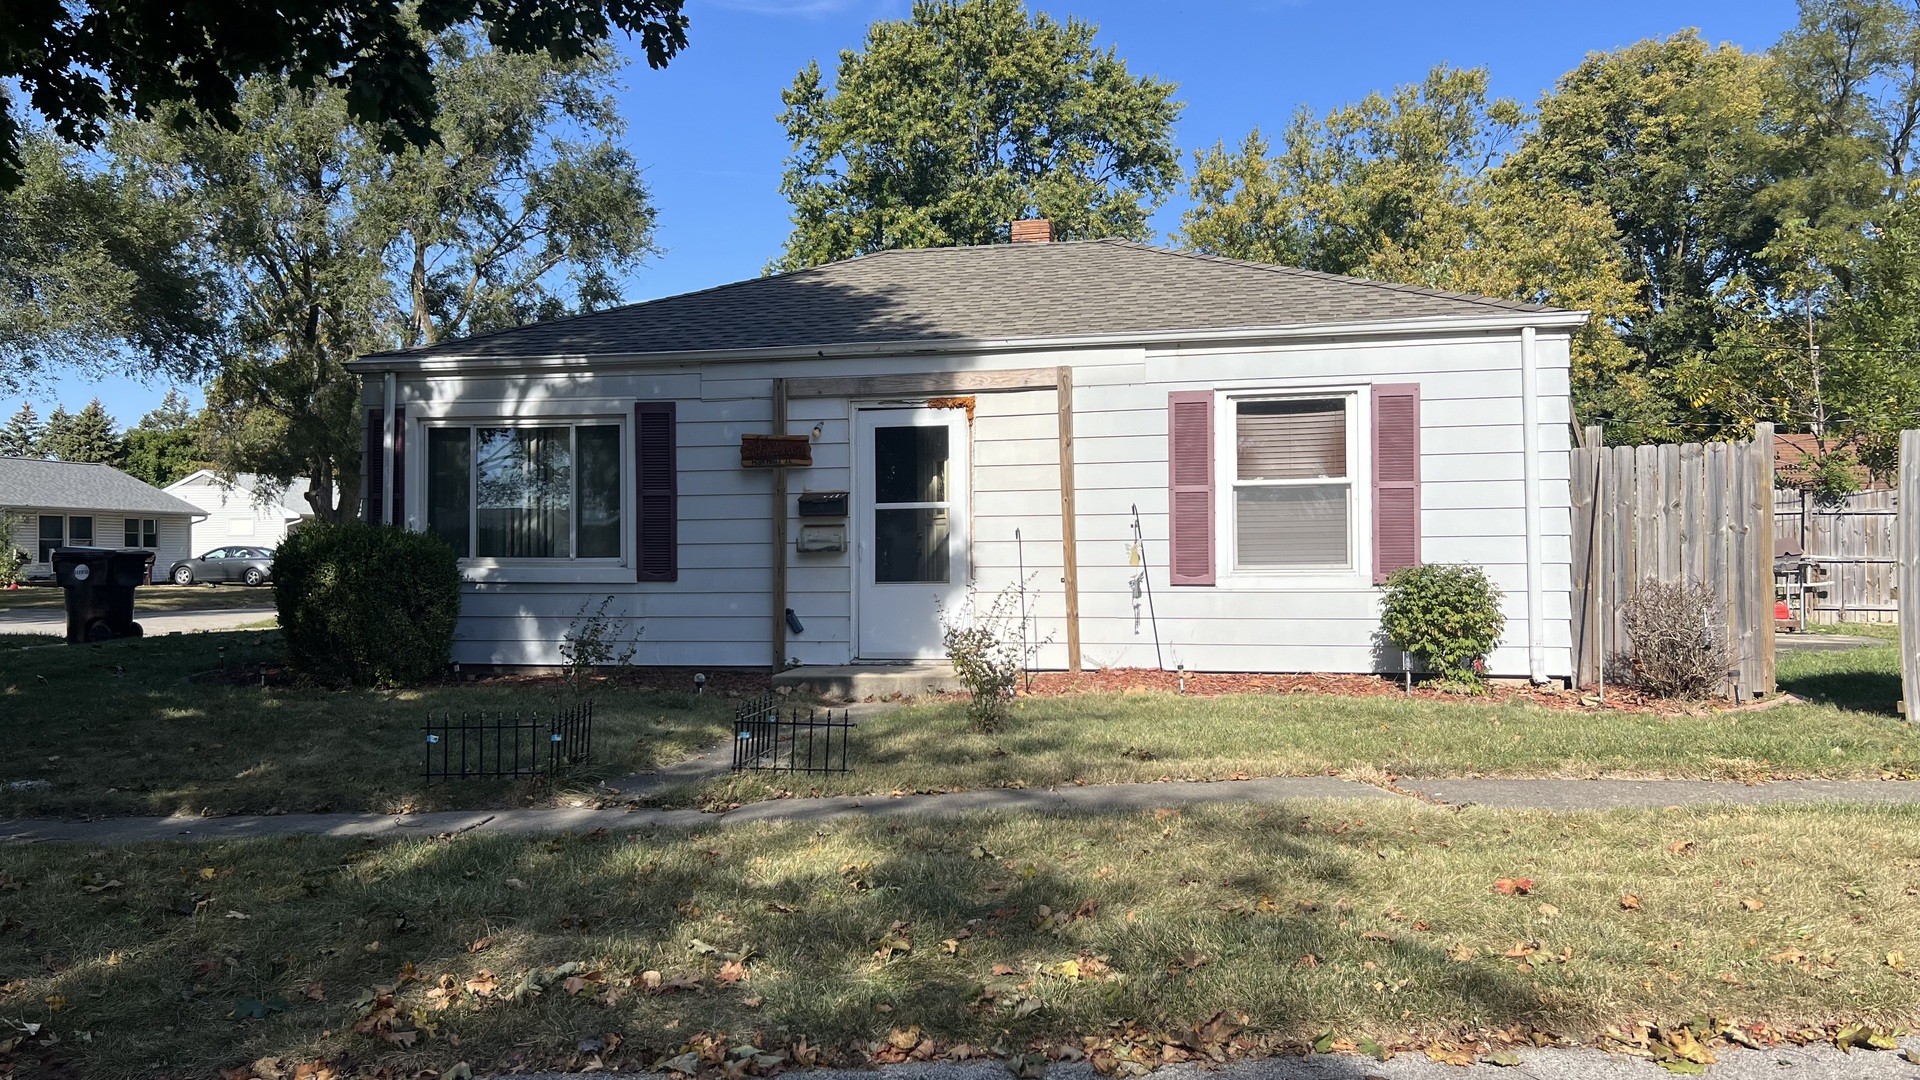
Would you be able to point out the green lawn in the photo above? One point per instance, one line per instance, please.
(1115, 935)
(147, 598)
(1849, 731)
(151, 726)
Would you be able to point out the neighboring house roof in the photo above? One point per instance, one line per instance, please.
(1790, 470)
(29, 483)
(930, 296)
(291, 499)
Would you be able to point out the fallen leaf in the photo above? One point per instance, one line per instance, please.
(752, 1002)
(1897, 960)
(1460, 954)
(733, 971)
(1751, 904)
(1629, 902)
(481, 944)
(1513, 886)
(1503, 1058)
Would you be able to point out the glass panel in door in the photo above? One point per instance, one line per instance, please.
(911, 532)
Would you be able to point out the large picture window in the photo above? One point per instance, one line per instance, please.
(511, 492)
(1292, 488)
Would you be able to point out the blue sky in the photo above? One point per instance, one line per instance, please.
(706, 131)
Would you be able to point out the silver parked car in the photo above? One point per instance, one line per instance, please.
(221, 566)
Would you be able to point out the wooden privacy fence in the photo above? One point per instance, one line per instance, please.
(1679, 512)
(1907, 573)
(1848, 547)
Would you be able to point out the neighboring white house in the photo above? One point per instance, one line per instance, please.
(1282, 439)
(61, 503)
(240, 513)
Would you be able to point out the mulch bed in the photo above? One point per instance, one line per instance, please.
(1216, 684)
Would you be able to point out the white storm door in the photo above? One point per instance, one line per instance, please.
(910, 494)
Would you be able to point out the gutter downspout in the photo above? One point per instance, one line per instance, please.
(1530, 464)
(388, 512)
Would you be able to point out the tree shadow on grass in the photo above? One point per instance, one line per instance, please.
(997, 931)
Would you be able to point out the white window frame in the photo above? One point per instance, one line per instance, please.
(141, 532)
(528, 569)
(1226, 468)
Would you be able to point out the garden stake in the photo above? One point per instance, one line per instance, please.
(1020, 555)
(1141, 543)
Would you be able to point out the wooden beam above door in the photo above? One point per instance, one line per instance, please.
(932, 383)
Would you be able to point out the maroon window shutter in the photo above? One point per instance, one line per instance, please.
(374, 468)
(1190, 486)
(1396, 478)
(400, 465)
(657, 487)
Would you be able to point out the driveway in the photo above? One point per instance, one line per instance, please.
(155, 623)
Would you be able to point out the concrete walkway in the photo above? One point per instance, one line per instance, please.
(154, 623)
(1555, 795)
(1816, 1062)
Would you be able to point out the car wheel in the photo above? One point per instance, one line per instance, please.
(254, 576)
(182, 576)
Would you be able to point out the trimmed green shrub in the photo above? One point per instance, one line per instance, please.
(372, 605)
(1447, 616)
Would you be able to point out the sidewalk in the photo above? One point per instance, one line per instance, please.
(1817, 1062)
(1552, 795)
(153, 623)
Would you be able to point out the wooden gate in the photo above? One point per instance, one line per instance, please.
(1676, 512)
(1848, 546)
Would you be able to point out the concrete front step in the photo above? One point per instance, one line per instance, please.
(857, 682)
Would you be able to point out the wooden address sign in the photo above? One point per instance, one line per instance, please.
(767, 450)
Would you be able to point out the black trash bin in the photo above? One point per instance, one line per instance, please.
(99, 584)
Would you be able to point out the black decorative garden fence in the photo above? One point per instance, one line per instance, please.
(495, 745)
(809, 741)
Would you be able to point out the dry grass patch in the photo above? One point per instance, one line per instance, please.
(994, 931)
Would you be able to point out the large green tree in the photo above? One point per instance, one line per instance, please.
(967, 115)
(81, 62)
(21, 437)
(166, 444)
(90, 436)
(336, 246)
(99, 274)
(1410, 186)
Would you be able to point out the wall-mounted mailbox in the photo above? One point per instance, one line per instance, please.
(823, 538)
(823, 504)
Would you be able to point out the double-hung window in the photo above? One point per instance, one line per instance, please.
(1292, 483)
(532, 491)
(142, 532)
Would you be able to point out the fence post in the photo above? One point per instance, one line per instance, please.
(1762, 569)
(1907, 573)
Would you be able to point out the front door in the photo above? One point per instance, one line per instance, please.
(910, 487)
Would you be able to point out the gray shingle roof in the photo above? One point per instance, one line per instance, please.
(28, 483)
(932, 295)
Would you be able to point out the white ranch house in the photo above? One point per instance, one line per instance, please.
(249, 510)
(1286, 438)
(66, 503)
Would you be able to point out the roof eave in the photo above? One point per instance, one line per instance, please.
(379, 363)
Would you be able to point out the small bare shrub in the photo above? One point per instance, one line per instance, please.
(1679, 648)
(987, 656)
(595, 639)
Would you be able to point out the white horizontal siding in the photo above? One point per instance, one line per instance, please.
(721, 609)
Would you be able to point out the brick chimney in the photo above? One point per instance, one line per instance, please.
(1033, 231)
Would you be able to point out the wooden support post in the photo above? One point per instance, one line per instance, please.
(1069, 547)
(779, 533)
(1762, 550)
